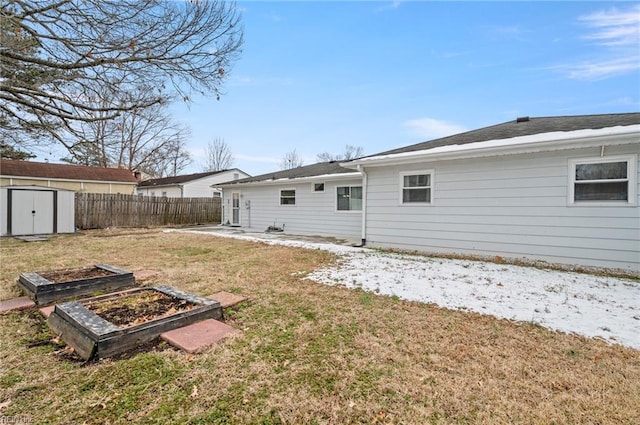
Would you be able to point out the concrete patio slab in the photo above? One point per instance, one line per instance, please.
(20, 303)
(199, 336)
(227, 299)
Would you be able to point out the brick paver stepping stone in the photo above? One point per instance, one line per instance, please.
(20, 303)
(227, 299)
(199, 336)
(46, 311)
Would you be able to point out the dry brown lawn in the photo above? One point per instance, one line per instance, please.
(308, 353)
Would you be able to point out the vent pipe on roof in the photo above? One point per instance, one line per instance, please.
(522, 119)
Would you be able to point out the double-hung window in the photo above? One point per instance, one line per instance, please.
(416, 187)
(287, 197)
(349, 198)
(602, 180)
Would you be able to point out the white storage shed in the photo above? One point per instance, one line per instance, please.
(35, 210)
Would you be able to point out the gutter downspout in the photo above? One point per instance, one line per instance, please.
(364, 206)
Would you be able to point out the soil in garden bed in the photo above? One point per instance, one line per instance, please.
(67, 275)
(134, 309)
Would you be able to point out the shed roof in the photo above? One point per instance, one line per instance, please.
(14, 168)
(168, 181)
(319, 169)
(524, 126)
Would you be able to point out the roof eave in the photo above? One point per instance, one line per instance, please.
(153, 186)
(322, 177)
(519, 145)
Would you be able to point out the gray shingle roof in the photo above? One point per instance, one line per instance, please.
(525, 127)
(166, 181)
(319, 169)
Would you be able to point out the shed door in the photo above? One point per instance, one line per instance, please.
(32, 212)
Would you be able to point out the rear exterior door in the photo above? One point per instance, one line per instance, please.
(235, 209)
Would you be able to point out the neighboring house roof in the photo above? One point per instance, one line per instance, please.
(525, 126)
(322, 169)
(177, 180)
(31, 169)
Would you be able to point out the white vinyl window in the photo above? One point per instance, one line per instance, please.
(349, 198)
(287, 197)
(609, 180)
(416, 187)
(318, 187)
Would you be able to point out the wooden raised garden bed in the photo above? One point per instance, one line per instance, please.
(111, 324)
(51, 286)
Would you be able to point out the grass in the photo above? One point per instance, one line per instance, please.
(308, 353)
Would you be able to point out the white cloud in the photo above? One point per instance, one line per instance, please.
(242, 80)
(617, 32)
(599, 70)
(390, 6)
(431, 128)
(273, 17)
(614, 27)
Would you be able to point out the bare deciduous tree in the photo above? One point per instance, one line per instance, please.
(350, 152)
(291, 160)
(55, 53)
(218, 156)
(143, 139)
(170, 161)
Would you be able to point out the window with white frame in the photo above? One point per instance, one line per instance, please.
(349, 198)
(416, 187)
(602, 180)
(287, 197)
(318, 187)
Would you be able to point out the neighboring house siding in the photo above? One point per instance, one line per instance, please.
(196, 188)
(171, 191)
(108, 188)
(202, 187)
(76, 186)
(314, 213)
(511, 206)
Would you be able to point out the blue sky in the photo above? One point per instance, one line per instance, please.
(315, 76)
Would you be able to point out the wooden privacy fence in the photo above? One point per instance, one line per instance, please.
(98, 210)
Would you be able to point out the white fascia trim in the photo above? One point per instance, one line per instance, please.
(323, 177)
(559, 140)
(161, 186)
(55, 179)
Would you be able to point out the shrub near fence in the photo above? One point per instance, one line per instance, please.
(98, 210)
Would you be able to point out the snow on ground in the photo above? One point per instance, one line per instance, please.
(594, 306)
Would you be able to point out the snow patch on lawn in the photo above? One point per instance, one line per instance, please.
(589, 305)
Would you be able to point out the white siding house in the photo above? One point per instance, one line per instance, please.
(561, 190)
(199, 185)
(321, 199)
